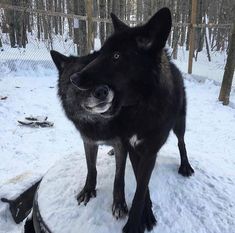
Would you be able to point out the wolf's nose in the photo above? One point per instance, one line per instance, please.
(101, 92)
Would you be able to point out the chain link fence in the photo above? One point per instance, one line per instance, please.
(30, 29)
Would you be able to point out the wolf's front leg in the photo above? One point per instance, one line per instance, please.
(119, 207)
(89, 189)
(148, 218)
(141, 216)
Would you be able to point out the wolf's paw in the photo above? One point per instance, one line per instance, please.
(186, 170)
(119, 209)
(85, 195)
(133, 227)
(149, 218)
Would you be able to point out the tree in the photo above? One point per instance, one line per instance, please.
(229, 71)
(1, 49)
(96, 15)
(90, 28)
(10, 20)
(82, 28)
(69, 5)
(176, 33)
(80, 32)
(102, 24)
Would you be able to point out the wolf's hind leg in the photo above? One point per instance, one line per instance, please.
(185, 168)
(89, 190)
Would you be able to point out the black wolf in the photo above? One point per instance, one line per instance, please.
(127, 95)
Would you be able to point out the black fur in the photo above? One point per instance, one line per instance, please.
(147, 95)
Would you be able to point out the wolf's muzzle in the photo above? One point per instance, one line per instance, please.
(76, 81)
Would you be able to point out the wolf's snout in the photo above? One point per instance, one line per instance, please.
(74, 78)
(101, 92)
(76, 81)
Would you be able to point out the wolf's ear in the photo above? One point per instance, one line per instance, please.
(59, 59)
(156, 31)
(118, 24)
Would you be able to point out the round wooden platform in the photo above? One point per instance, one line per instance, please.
(55, 206)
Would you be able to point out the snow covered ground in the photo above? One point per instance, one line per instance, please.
(203, 203)
(203, 69)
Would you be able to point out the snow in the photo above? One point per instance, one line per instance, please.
(203, 203)
(197, 204)
(203, 69)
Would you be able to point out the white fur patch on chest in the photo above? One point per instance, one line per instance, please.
(101, 143)
(134, 141)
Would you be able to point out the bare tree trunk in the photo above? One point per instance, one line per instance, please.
(128, 10)
(147, 10)
(199, 32)
(70, 21)
(76, 26)
(219, 34)
(60, 18)
(10, 18)
(28, 17)
(18, 25)
(102, 24)
(1, 48)
(109, 27)
(39, 19)
(189, 30)
(122, 10)
(4, 23)
(207, 34)
(38, 26)
(90, 37)
(63, 18)
(55, 19)
(95, 14)
(139, 15)
(82, 29)
(184, 20)
(192, 41)
(23, 31)
(115, 7)
(45, 23)
(176, 33)
(49, 7)
(207, 48)
(202, 35)
(229, 71)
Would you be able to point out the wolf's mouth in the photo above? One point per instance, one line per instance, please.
(99, 108)
(99, 101)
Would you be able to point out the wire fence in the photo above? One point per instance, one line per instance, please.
(69, 34)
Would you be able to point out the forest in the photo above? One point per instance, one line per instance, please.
(84, 20)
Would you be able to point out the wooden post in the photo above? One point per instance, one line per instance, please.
(90, 41)
(192, 37)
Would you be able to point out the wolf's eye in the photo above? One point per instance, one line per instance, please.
(116, 55)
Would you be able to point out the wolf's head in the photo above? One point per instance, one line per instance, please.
(125, 69)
